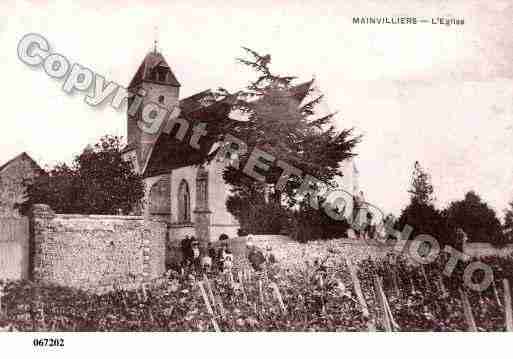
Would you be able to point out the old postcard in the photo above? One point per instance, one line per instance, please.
(264, 166)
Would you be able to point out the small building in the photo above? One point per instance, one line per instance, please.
(15, 175)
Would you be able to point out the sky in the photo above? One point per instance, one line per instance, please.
(440, 95)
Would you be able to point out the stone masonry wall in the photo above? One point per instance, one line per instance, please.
(96, 252)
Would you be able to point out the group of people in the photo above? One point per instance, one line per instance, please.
(219, 257)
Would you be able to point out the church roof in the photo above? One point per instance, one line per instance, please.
(197, 101)
(21, 156)
(170, 153)
(151, 62)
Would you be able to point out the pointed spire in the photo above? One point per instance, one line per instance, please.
(155, 41)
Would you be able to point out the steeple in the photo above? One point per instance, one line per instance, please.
(159, 87)
(154, 68)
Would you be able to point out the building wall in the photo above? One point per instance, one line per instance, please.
(218, 193)
(145, 140)
(148, 185)
(221, 221)
(92, 252)
(188, 174)
(12, 184)
(14, 248)
(349, 184)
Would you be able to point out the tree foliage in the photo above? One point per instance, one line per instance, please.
(421, 213)
(277, 124)
(98, 182)
(421, 188)
(476, 218)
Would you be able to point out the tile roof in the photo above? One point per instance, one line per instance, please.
(170, 153)
(23, 155)
(150, 62)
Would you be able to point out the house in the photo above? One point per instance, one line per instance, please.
(14, 178)
(181, 187)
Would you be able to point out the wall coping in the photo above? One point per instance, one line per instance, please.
(181, 225)
(101, 216)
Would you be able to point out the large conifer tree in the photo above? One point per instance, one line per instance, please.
(277, 124)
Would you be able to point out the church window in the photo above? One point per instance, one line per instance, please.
(161, 99)
(184, 203)
(202, 189)
(162, 74)
(153, 75)
(160, 197)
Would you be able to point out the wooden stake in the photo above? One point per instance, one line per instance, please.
(209, 307)
(442, 287)
(389, 312)
(469, 317)
(507, 305)
(232, 281)
(221, 307)
(209, 288)
(242, 288)
(426, 280)
(380, 296)
(261, 291)
(358, 288)
(395, 283)
(496, 293)
(1, 297)
(279, 297)
(145, 294)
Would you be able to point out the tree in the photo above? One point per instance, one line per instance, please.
(508, 217)
(476, 218)
(278, 125)
(98, 182)
(420, 213)
(421, 189)
(424, 219)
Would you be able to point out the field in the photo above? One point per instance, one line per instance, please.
(395, 295)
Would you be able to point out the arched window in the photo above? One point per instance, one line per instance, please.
(184, 203)
(160, 197)
(202, 189)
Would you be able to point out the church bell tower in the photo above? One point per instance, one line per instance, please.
(155, 83)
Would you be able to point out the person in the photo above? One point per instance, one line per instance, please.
(255, 256)
(186, 248)
(319, 286)
(369, 227)
(206, 263)
(227, 261)
(270, 259)
(195, 254)
(223, 248)
(211, 252)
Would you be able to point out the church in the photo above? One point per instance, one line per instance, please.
(181, 188)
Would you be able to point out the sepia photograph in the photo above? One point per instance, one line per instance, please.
(263, 167)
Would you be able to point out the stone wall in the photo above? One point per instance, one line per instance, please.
(96, 252)
(479, 249)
